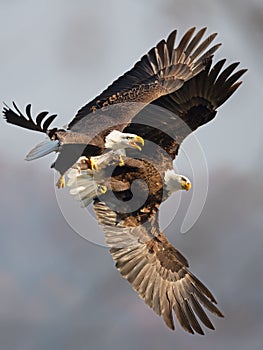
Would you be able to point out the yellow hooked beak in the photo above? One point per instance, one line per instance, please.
(139, 140)
(187, 186)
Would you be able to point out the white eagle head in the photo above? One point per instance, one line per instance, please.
(175, 182)
(117, 140)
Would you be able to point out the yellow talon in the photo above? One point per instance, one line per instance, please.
(102, 189)
(93, 164)
(121, 161)
(61, 182)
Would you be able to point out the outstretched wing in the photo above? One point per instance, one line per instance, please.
(170, 118)
(156, 270)
(162, 70)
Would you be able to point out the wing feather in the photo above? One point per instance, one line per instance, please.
(166, 308)
(191, 316)
(155, 296)
(200, 311)
(157, 271)
(170, 118)
(162, 70)
(195, 41)
(149, 289)
(179, 310)
(182, 47)
(138, 280)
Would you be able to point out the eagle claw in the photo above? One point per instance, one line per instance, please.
(61, 182)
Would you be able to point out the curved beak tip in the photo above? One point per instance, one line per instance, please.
(139, 140)
(188, 186)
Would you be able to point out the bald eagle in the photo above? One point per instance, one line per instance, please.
(163, 70)
(167, 95)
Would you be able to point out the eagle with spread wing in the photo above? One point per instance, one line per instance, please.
(167, 95)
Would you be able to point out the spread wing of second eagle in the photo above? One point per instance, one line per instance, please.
(156, 270)
(167, 95)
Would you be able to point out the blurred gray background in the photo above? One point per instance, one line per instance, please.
(57, 290)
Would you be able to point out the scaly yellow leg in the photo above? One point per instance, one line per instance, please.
(93, 164)
(102, 189)
(61, 182)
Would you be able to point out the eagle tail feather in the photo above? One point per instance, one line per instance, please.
(16, 117)
(82, 186)
(42, 149)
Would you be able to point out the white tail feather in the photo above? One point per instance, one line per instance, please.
(83, 187)
(42, 149)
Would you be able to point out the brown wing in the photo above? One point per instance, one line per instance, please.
(170, 118)
(161, 71)
(156, 270)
